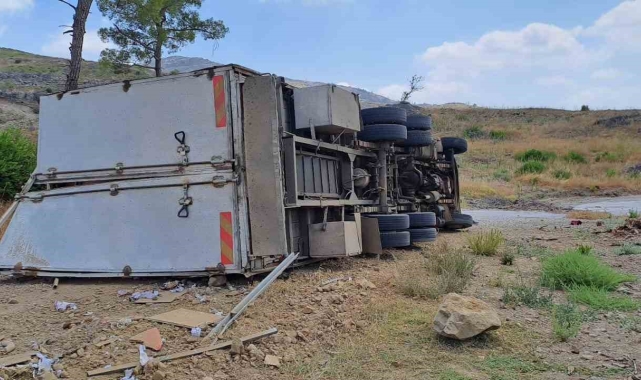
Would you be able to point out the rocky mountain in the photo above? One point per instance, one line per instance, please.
(186, 64)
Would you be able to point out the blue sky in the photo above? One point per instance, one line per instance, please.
(493, 53)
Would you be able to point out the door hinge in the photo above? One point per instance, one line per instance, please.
(220, 181)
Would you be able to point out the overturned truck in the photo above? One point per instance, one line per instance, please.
(224, 170)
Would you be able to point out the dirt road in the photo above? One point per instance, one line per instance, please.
(347, 330)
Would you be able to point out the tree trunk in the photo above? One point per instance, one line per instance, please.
(78, 36)
(158, 65)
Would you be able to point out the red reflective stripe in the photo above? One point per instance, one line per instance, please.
(220, 106)
(226, 239)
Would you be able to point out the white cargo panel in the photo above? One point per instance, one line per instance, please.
(134, 124)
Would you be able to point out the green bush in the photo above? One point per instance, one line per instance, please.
(566, 321)
(532, 167)
(474, 132)
(584, 249)
(562, 174)
(575, 269)
(575, 157)
(628, 249)
(609, 157)
(535, 155)
(498, 135)
(503, 175)
(17, 161)
(530, 296)
(507, 258)
(633, 214)
(486, 243)
(610, 173)
(600, 299)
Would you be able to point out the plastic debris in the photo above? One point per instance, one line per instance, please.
(44, 363)
(215, 311)
(146, 294)
(170, 285)
(62, 306)
(144, 359)
(201, 299)
(178, 289)
(129, 375)
(196, 331)
(123, 292)
(123, 322)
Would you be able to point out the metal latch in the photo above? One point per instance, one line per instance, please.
(119, 167)
(185, 202)
(113, 189)
(51, 172)
(182, 149)
(221, 181)
(218, 163)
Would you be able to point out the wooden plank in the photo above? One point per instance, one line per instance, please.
(185, 318)
(163, 297)
(16, 359)
(184, 354)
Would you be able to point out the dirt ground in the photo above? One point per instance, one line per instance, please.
(346, 330)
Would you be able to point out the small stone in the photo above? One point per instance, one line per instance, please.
(461, 317)
(252, 347)
(13, 301)
(48, 376)
(587, 357)
(361, 324)
(308, 310)
(158, 375)
(8, 346)
(73, 356)
(365, 283)
(217, 281)
(272, 360)
(237, 347)
(575, 350)
(81, 352)
(57, 367)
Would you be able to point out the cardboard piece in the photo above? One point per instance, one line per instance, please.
(16, 359)
(163, 297)
(185, 318)
(150, 338)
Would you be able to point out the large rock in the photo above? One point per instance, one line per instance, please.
(460, 317)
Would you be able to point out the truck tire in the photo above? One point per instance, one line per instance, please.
(391, 222)
(457, 145)
(384, 115)
(417, 138)
(383, 132)
(420, 235)
(459, 222)
(422, 219)
(419, 122)
(392, 239)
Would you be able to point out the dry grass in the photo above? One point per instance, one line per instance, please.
(486, 243)
(588, 215)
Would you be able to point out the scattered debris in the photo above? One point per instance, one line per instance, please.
(170, 285)
(217, 281)
(149, 338)
(7, 346)
(7, 361)
(178, 289)
(196, 331)
(55, 282)
(123, 292)
(576, 222)
(272, 360)
(184, 354)
(632, 227)
(237, 347)
(129, 375)
(365, 283)
(144, 359)
(461, 317)
(162, 297)
(63, 306)
(337, 279)
(105, 342)
(200, 299)
(185, 318)
(545, 238)
(148, 294)
(44, 363)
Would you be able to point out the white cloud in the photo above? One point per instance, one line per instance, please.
(392, 91)
(553, 80)
(621, 25)
(606, 74)
(15, 5)
(58, 45)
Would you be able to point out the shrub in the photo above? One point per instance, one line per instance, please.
(600, 299)
(498, 135)
(535, 155)
(628, 249)
(633, 214)
(566, 321)
(562, 174)
(486, 243)
(584, 249)
(503, 175)
(530, 296)
(507, 258)
(610, 173)
(474, 132)
(574, 269)
(531, 167)
(585, 107)
(17, 161)
(575, 157)
(608, 157)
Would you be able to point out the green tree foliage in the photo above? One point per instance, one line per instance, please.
(145, 30)
(17, 161)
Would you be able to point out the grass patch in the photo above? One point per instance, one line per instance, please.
(17, 161)
(600, 299)
(507, 258)
(588, 215)
(631, 323)
(486, 243)
(474, 132)
(452, 375)
(535, 155)
(633, 214)
(628, 249)
(575, 269)
(575, 158)
(530, 296)
(503, 175)
(610, 173)
(566, 321)
(562, 174)
(584, 249)
(498, 135)
(430, 277)
(609, 157)
(531, 167)
(533, 251)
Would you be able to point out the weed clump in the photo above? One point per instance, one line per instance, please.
(530, 296)
(507, 258)
(628, 249)
(584, 249)
(532, 167)
(633, 214)
(503, 175)
(474, 132)
(573, 268)
(609, 157)
(535, 155)
(600, 299)
(498, 135)
(562, 174)
(610, 173)
(566, 321)
(575, 157)
(486, 243)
